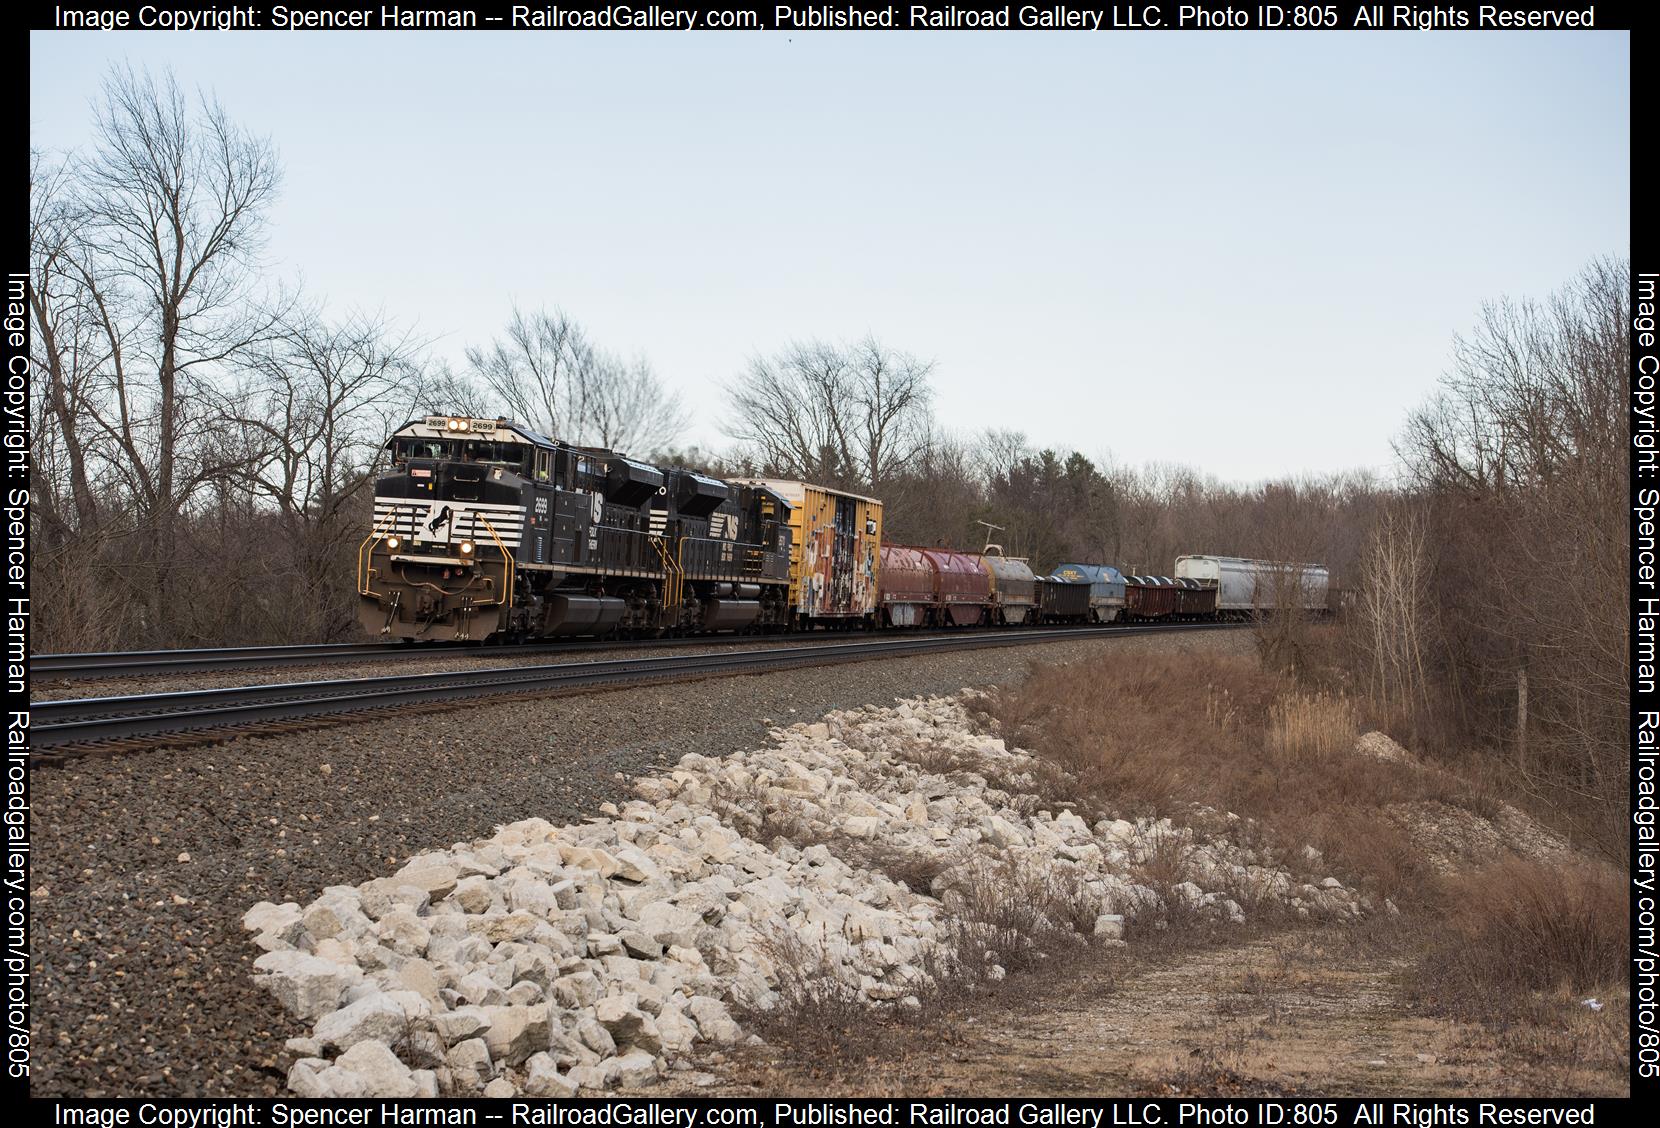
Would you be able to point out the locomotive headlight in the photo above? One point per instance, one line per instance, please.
(455, 424)
(466, 548)
(394, 543)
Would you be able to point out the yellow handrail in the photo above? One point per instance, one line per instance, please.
(507, 561)
(375, 534)
(674, 575)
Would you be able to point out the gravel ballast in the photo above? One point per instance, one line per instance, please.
(144, 864)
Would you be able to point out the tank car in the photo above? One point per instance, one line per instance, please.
(1245, 587)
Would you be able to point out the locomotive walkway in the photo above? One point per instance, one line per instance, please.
(68, 728)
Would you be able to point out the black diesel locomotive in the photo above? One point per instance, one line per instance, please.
(485, 529)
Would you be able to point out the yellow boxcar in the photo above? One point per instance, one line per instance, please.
(835, 557)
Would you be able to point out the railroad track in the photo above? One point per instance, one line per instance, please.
(137, 663)
(134, 663)
(63, 729)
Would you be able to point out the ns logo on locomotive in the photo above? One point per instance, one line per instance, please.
(485, 529)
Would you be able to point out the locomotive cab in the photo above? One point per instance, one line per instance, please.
(450, 519)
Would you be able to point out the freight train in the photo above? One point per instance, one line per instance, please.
(484, 529)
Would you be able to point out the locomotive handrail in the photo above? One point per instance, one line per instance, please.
(507, 561)
(363, 569)
(674, 573)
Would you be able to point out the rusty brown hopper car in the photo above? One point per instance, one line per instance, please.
(1195, 600)
(1149, 597)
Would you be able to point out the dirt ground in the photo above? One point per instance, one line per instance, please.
(1296, 1012)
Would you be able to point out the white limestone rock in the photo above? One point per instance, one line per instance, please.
(308, 987)
(543, 1079)
(379, 1017)
(550, 958)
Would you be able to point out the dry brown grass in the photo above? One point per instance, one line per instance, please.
(1518, 948)
(1262, 746)
(1522, 925)
(1309, 726)
(1514, 946)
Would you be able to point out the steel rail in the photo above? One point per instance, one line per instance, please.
(125, 663)
(137, 663)
(86, 721)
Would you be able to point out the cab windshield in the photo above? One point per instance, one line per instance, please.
(460, 450)
(496, 454)
(405, 449)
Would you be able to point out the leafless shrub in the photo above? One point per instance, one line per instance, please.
(1014, 916)
(762, 814)
(1523, 925)
(817, 1012)
(914, 869)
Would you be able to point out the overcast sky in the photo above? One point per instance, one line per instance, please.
(1247, 252)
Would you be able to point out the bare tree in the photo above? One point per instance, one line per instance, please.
(143, 258)
(537, 368)
(851, 415)
(1391, 611)
(67, 347)
(445, 391)
(325, 395)
(322, 398)
(628, 409)
(173, 203)
(1522, 462)
(547, 373)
